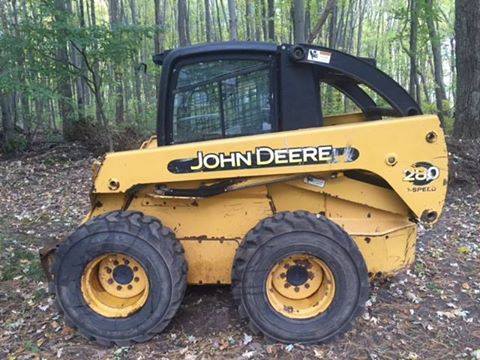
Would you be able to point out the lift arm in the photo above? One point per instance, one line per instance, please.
(346, 72)
(413, 163)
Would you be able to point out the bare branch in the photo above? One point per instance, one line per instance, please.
(321, 21)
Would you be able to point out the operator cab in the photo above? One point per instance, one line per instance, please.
(231, 89)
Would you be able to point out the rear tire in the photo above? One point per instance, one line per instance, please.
(285, 239)
(157, 255)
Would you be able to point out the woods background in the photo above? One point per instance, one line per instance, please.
(76, 79)
(81, 70)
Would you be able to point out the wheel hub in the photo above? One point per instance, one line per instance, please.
(123, 274)
(114, 285)
(297, 275)
(300, 286)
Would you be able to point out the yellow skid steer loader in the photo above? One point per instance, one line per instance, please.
(247, 183)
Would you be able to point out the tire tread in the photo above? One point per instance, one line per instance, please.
(158, 236)
(284, 222)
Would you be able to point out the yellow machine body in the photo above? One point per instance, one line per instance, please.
(398, 175)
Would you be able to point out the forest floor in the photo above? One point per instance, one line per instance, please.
(431, 311)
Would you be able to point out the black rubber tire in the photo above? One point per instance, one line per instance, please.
(285, 234)
(144, 238)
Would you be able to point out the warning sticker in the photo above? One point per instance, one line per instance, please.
(319, 56)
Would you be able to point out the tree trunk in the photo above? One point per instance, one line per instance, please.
(263, 8)
(159, 35)
(425, 87)
(308, 17)
(340, 26)
(80, 83)
(232, 14)
(137, 73)
(299, 21)
(219, 21)
(96, 67)
(378, 32)
(329, 8)
(8, 141)
(467, 29)
(349, 28)
(24, 101)
(115, 21)
(413, 87)
(39, 115)
(258, 23)
(332, 33)
(182, 23)
(361, 16)
(453, 69)
(440, 93)
(114, 13)
(187, 22)
(198, 11)
(53, 117)
(271, 20)
(249, 20)
(208, 21)
(104, 120)
(65, 101)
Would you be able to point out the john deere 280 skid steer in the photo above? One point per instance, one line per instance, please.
(247, 183)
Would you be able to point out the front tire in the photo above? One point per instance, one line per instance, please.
(299, 278)
(120, 278)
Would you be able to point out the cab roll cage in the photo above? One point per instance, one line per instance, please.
(346, 72)
(299, 71)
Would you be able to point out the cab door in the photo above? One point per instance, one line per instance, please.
(213, 98)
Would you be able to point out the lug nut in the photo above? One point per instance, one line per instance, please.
(287, 285)
(283, 275)
(126, 261)
(110, 281)
(307, 285)
(135, 268)
(297, 289)
(115, 262)
(136, 279)
(129, 287)
(108, 270)
(119, 288)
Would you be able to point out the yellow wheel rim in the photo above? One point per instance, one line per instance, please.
(114, 285)
(300, 286)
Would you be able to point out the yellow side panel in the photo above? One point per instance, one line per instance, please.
(211, 229)
(227, 216)
(353, 217)
(389, 253)
(358, 192)
(210, 261)
(104, 204)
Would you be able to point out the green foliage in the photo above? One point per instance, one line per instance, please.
(31, 347)
(17, 143)
(104, 57)
(35, 41)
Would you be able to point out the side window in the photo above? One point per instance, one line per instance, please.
(334, 102)
(221, 98)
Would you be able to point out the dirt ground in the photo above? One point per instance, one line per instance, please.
(431, 311)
